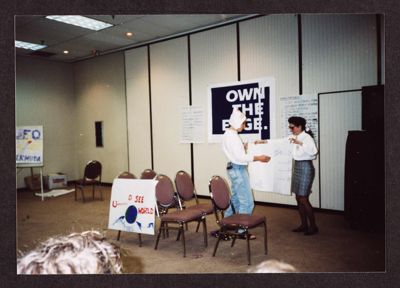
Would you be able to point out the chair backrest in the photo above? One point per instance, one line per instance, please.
(184, 186)
(148, 174)
(164, 191)
(220, 193)
(92, 170)
(126, 175)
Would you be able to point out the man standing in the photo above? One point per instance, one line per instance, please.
(234, 149)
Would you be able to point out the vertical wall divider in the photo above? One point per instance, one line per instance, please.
(126, 114)
(190, 103)
(238, 49)
(379, 49)
(150, 106)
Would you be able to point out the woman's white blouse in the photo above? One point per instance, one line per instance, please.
(307, 151)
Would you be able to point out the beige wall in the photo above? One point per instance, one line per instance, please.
(100, 96)
(44, 96)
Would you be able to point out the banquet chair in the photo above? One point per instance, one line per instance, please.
(165, 198)
(91, 177)
(186, 192)
(221, 199)
(148, 174)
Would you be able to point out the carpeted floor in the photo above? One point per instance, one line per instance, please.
(337, 248)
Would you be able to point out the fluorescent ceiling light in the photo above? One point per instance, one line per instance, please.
(27, 45)
(80, 21)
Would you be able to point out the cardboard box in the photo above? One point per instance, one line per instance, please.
(56, 181)
(33, 182)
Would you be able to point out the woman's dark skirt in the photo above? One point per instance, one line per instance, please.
(302, 177)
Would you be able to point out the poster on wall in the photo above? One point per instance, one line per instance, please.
(192, 124)
(255, 98)
(305, 106)
(29, 146)
(276, 175)
(132, 206)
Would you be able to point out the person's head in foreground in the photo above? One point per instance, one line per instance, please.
(272, 266)
(78, 253)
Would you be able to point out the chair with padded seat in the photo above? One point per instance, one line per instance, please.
(186, 192)
(148, 174)
(91, 177)
(128, 175)
(229, 226)
(165, 198)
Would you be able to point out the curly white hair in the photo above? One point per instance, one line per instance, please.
(78, 253)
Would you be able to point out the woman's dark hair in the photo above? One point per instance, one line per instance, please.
(300, 121)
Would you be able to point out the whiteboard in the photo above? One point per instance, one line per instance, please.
(29, 146)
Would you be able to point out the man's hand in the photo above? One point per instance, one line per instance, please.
(262, 158)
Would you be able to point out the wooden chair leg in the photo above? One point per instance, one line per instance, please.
(93, 191)
(119, 234)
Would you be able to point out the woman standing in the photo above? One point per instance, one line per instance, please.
(304, 151)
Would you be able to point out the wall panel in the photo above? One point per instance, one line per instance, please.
(333, 131)
(269, 47)
(169, 92)
(213, 61)
(138, 109)
(100, 96)
(339, 52)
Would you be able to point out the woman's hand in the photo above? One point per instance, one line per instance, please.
(260, 142)
(295, 141)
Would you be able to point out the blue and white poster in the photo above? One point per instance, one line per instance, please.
(132, 206)
(29, 145)
(255, 98)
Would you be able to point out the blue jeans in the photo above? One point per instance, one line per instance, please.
(242, 197)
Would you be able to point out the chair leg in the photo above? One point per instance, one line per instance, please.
(75, 192)
(140, 239)
(119, 234)
(159, 234)
(179, 235)
(265, 238)
(233, 241)
(83, 193)
(183, 239)
(216, 244)
(204, 231)
(93, 191)
(248, 247)
(198, 225)
(101, 193)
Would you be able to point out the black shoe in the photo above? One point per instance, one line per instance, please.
(311, 231)
(301, 228)
(223, 236)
